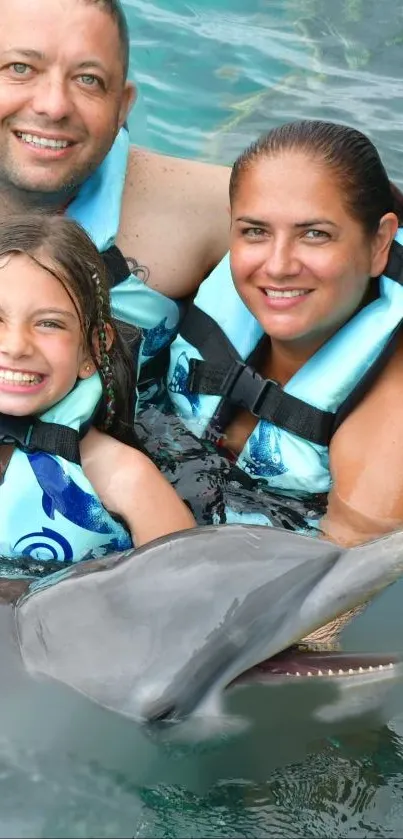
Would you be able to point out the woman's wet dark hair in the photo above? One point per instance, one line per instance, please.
(63, 248)
(362, 177)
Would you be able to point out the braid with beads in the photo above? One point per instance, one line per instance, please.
(104, 365)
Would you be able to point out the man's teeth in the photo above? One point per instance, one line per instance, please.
(43, 142)
(295, 292)
(20, 378)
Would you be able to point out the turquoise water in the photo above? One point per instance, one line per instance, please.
(212, 75)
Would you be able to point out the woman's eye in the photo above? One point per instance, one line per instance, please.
(317, 234)
(253, 232)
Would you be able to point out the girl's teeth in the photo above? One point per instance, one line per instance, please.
(295, 292)
(19, 378)
(43, 142)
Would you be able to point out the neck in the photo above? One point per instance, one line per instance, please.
(287, 357)
(24, 201)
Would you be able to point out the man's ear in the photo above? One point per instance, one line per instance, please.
(129, 97)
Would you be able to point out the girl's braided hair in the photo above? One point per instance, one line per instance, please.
(63, 248)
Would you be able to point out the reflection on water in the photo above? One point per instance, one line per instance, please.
(214, 74)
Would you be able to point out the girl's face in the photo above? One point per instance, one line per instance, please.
(300, 262)
(41, 344)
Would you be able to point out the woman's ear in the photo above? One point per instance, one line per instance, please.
(383, 239)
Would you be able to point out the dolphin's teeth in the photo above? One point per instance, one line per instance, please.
(341, 672)
(297, 673)
(351, 670)
(288, 674)
(309, 673)
(391, 665)
(360, 669)
(380, 667)
(320, 673)
(330, 672)
(370, 667)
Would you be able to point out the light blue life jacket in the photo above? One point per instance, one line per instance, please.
(49, 510)
(97, 208)
(211, 374)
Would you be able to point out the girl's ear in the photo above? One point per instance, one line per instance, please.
(87, 368)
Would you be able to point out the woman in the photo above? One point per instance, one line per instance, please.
(317, 408)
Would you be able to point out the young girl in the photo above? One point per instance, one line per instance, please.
(72, 486)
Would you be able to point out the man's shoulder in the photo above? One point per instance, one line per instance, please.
(174, 218)
(146, 162)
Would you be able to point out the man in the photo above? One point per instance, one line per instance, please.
(64, 99)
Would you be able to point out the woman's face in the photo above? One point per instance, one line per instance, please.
(300, 262)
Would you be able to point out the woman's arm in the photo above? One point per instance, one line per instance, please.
(366, 464)
(129, 484)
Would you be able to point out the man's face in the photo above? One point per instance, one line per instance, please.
(63, 97)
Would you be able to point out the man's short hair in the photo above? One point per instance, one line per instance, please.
(115, 9)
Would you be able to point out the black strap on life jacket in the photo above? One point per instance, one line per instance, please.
(223, 373)
(32, 434)
(394, 267)
(119, 270)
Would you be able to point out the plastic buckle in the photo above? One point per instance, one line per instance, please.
(247, 388)
(17, 430)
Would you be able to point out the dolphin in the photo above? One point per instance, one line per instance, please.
(163, 634)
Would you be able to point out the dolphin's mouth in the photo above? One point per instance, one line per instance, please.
(301, 662)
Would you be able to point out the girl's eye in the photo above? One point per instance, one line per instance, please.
(51, 324)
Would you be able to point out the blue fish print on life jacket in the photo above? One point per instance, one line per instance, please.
(157, 337)
(62, 495)
(265, 458)
(178, 383)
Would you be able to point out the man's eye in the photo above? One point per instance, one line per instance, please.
(89, 80)
(20, 68)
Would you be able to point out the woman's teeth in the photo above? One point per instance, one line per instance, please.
(295, 292)
(43, 142)
(20, 378)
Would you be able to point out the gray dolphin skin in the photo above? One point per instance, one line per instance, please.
(159, 634)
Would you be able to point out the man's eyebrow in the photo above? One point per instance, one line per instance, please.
(27, 53)
(91, 62)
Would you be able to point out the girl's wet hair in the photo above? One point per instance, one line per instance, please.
(352, 157)
(62, 247)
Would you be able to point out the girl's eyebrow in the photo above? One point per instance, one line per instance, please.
(52, 311)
